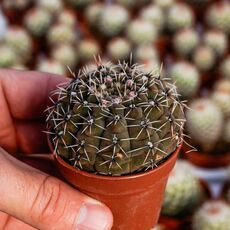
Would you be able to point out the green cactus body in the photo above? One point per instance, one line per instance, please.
(225, 68)
(7, 56)
(53, 6)
(154, 15)
(185, 41)
(150, 66)
(37, 21)
(186, 78)
(61, 34)
(221, 96)
(88, 50)
(16, 5)
(145, 53)
(116, 120)
(66, 55)
(93, 12)
(164, 4)
(141, 32)
(66, 17)
(212, 215)
(51, 66)
(204, 123)
(119, 49)
(218, 16)
(113, 20)
(216, 40)
(204, 58)
(20, 41)
(180, 16)
(183, 191)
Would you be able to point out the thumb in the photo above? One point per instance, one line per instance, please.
(45, 202)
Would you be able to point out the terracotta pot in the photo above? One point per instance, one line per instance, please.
(135, 200)
(206, 160)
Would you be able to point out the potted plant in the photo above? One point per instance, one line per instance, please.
(116, 132)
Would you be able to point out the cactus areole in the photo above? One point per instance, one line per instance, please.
(116, 120)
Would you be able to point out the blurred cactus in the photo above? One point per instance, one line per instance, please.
(164, 4)
(93, 12)
(80, 3)
(7, 56)
(145, 53)
(53, 6)
(66, 17)
(16, 4)
(116, 120)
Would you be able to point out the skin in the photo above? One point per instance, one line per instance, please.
(30, 198)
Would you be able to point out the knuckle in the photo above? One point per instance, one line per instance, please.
(48, 200)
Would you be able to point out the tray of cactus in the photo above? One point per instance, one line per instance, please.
(115, 132)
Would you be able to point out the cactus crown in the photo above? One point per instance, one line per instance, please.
(116, 120)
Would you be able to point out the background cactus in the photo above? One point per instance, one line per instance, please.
(116, 120)
(183, 191)
(225, 68)
(186, 78)
(204, 123)
(53, 6)
(212, 215)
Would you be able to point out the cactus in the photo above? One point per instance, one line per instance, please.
(216, 40)
(66, 17)
(7, 56)
(53, 6)
(37, 21)
(183, 191)
(180, 16)
(119, 49)
(93, 12)
(204, 58)
(16, 5)
(218, 16)
(127, 3)
(61, 33)
(225, 68)
(154, 15)
(51, 66)
(221, 96)
(164, 4)
(80, 3)
(141, 32)
(204, 123)
(150, 66)
(88, 50)
(212, 215)
(186, 78)
(20, 41)
(66, 55)
(145, 52)
(185, 41)
(116, 120)
(113, 20)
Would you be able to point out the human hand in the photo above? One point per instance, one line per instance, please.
(29, 198)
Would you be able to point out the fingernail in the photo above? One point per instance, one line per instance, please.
(93, 216)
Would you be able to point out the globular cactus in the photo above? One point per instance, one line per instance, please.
(93, 12)
(16, 5)
(61, 33)
(88, 49)
(154, 15)
(141, 32)
(145, 53)
(119, 49)
(116, 120)
(179, 16)
(217, 40)
(37, 21)
(66, 17)
(225, 68)
(51, 66)
(113, 20)
(204, 123)
(218, 16)
(164, 4)
(185, 41)
(151, 66)
(53, 6)
(66, 55)
(204, 58)
(7, 56)
(20, 41)
(183, 191)
(186, 78)
(212, 215)
(221, 96)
